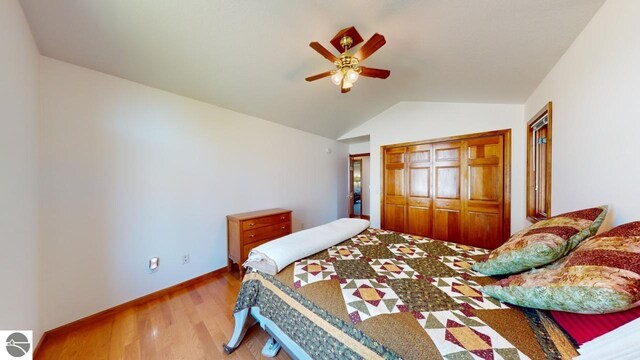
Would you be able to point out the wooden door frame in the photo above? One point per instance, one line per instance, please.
(352, 198)
(505, 133)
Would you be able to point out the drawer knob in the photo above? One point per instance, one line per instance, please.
(252, 224)
(283, 227)
(252, 236)
(282, 218)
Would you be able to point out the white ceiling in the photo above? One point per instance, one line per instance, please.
(253, 56)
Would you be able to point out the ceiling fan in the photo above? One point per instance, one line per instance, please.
(347, 65)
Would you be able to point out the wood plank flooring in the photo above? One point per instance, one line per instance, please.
(190, 323)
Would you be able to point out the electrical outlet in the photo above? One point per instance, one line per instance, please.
(185, 259)
(154, 263)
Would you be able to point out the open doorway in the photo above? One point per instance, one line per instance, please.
(359, 186)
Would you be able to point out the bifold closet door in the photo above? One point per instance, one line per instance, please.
(484, 203)
(452, 190)
(419, 201)
(447, 219)
(395, 189)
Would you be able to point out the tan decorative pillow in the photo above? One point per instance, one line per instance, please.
(601, 275)
(543, 243)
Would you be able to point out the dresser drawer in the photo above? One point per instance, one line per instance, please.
(265, 221)
(247, 248)
(266, 233)
(247, 230)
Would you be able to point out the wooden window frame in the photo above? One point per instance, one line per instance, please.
(533, 213)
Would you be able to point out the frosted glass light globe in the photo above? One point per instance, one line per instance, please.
(337, 77)
(352, 76)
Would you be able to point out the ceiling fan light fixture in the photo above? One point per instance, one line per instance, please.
(347, 66)
(352, 75)
(336, 78)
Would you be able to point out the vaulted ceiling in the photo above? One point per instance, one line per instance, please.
(253, 56)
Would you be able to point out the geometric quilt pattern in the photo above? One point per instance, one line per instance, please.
(365, 240)
(393, 269)
(415, 239)
(383, 272)
(467, 292)
(407, 251)
(430, 267)
(436, 248)
(367, 298)
(376, 232)
(376, 252)
(354, 269)
(460, 264)
(466, 249)
(464, 336)
(420, 295)
(309, 271)
(345, 253)
(393, 238)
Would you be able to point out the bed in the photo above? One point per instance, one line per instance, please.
(387, 295)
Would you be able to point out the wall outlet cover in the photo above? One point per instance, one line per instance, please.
(154, 263)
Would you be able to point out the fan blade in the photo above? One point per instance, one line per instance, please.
(345, 90)
(319, 76)
(374, 73)
(323, 51)
(372, 45)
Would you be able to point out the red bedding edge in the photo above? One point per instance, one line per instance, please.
(583, 328)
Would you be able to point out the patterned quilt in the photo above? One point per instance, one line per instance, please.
(388, 295)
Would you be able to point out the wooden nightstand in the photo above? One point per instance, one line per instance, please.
(248, 230)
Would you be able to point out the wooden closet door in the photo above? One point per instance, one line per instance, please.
(395, 189)
(419, 201)
(483, 208)
(447, 218)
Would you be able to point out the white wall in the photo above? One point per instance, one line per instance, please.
(413, 121)
(19, 253)
(359, 148)
(595, 89)
(130, 172)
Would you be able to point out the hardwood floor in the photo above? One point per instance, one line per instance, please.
(190, 323)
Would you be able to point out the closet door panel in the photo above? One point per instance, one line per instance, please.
(484, 183)
(395, 191)
(447, 225)
(419, 202)
(484, 202)
(448, 182)
(419, 182)
(419, 221)
(394, 217)
(448, 179)
(481, 228)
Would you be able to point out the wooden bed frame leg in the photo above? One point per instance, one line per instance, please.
(271, 348)
(242, 324)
